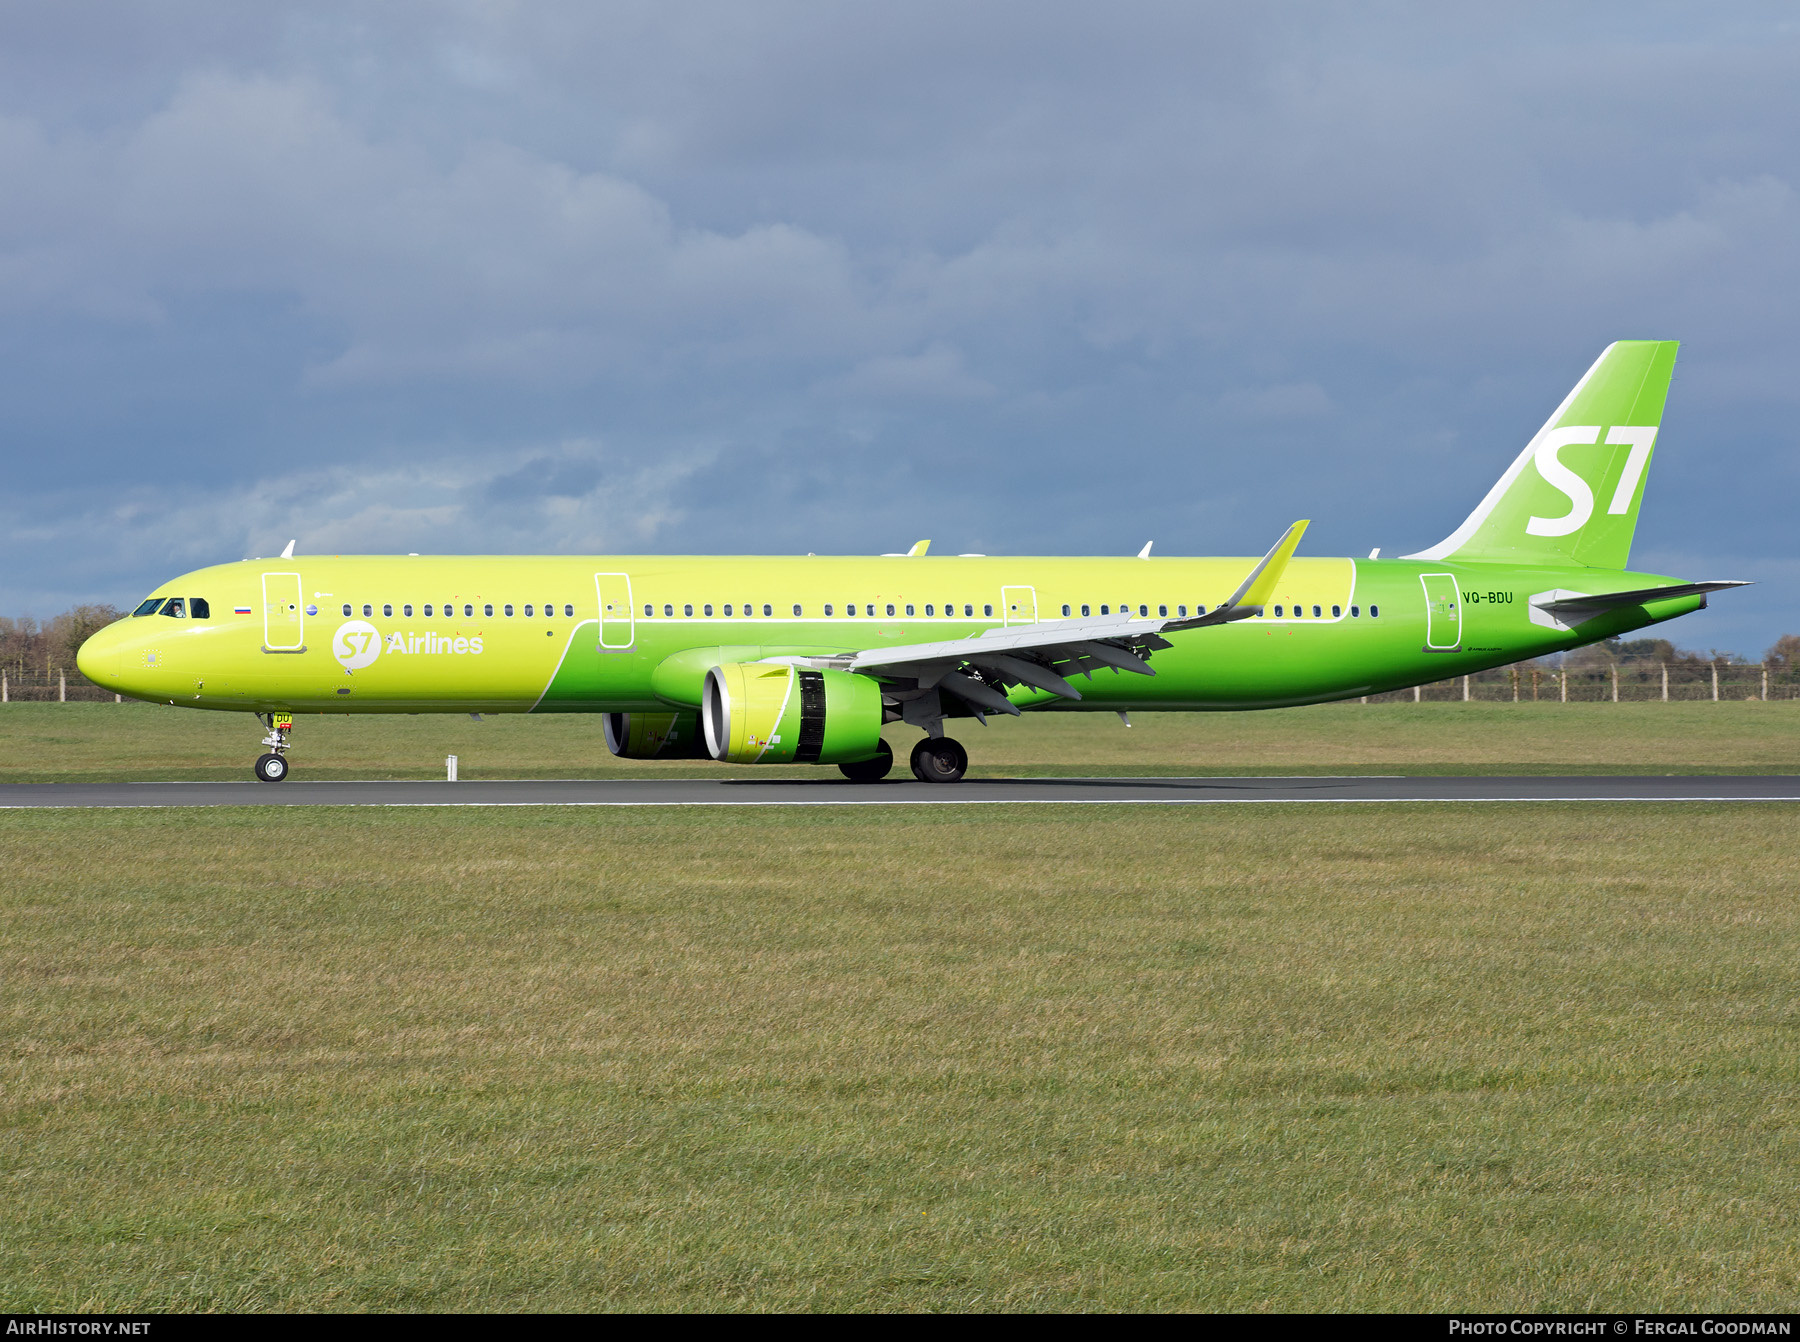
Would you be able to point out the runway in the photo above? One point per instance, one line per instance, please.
(822, 791)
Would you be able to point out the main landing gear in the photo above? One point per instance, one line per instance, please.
(939, 760)
(273, 767)
(934, 760)
(870, 771)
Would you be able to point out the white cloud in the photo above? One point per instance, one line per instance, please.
(838, 255)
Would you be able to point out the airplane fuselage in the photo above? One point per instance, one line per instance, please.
(503, 634)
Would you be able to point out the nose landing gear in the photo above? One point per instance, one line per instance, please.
(273, 767)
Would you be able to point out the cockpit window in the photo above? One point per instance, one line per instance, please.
(175, 608)
(199, 608)
(149, 606)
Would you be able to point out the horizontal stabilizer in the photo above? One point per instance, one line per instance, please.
(1573, 608)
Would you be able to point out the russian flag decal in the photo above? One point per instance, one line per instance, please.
(240, 610)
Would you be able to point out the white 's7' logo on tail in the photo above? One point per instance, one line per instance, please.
(1581, 498)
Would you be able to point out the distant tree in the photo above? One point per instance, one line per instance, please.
(1784, 653)
(37, 646)
(1646, 650)
(20, 642)
(72, 628)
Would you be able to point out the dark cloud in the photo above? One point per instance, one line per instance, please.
(718, 277)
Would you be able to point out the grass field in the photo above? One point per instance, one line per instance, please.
(97, 742)
(1504, 1057)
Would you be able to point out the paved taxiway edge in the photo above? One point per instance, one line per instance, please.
(1211, 791)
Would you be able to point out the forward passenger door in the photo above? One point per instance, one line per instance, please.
(284, 624)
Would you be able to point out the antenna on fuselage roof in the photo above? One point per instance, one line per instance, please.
(1145, 552)
(289, 552)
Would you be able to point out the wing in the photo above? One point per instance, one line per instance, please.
(1048, 654)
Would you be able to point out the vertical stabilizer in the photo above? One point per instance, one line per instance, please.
(1572, 495)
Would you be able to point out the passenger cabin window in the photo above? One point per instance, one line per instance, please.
(1105, 609)
(930, 609)
(1337, 612)
(569, 611)
(199, 608)
(828, 608)
(406, 610)
(1317, 612)
(1199, 609)
(648, 609)
(770, 610)
(667, 610)
(427, 608)
(1162, 610)
(988, 611)
(1065, 608)
(1180, 611)
(688, 611)
(728, 610)
(527, 610)
(1355, 612)
(468, 610)
(707, 610)
(1374, 612)
(508, 609)
(1278, 612)
(175, 608)
(347, 610)
(149, 606)
(890, 609)
(488, 610)
(1086, 611)
(387, 611)
(796, 610)
(1143, 610)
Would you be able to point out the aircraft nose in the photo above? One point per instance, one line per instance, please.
(98, 658)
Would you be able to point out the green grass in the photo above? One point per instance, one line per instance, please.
(100, 742)
(1449, 1057)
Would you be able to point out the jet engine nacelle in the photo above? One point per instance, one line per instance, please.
(656, 736)
(773, 713)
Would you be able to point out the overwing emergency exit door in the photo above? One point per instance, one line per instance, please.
(618, 630)
(1018, 605)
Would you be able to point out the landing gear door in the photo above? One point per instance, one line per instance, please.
(618, 631)
(284, 626)
(1019, 605)
(1443, 612)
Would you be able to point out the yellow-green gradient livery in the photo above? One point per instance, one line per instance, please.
(757, 660)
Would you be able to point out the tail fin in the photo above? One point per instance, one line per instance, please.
(1572, 496)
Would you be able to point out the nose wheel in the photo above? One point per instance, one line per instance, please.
(273, 767)
(939, 760)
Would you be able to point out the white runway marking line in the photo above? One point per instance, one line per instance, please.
(973, 801)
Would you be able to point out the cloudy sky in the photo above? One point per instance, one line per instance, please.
(1023, 278)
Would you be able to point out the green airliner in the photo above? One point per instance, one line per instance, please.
(803, 660)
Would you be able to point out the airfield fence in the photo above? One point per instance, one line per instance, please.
(27, 685)
(1625, 682)
(1522, 682)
